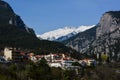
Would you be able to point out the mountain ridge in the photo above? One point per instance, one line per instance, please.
(8, 17)
(63, 33)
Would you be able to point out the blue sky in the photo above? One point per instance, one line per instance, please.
(47, 15)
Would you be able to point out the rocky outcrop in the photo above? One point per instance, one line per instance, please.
(82, 40)
(109, 22)
(106, 38)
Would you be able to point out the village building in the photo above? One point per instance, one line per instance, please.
(61, 60)
(32, 57)
(8, 53)
(55, 64)
(88, 62)
(14, 55)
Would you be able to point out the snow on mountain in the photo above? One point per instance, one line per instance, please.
(63, 33)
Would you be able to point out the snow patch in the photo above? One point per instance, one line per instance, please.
(55, 34)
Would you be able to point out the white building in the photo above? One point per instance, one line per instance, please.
(55, 64)
(88, 62)
(67, 64)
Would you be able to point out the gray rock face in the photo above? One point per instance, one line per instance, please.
(108, 24)
(82, 40)
(106, 38)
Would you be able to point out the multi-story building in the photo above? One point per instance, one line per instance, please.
(14, 55)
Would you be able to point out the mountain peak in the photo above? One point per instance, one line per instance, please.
(114, 13)
(109, 22)
(63, 32)
(8, 17)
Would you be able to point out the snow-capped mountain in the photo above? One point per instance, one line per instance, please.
(63, 33)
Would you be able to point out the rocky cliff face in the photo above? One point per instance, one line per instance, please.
(109, 22)
(106, 38)
(82, 40)
(8, 17)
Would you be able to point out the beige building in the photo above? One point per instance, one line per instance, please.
(8, 53)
